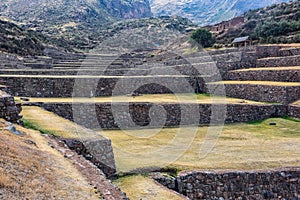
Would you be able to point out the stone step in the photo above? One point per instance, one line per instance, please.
(263, 91)
(279, 61)
(282, 74)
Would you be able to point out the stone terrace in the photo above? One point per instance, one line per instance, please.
(251, 73)
(275, 78)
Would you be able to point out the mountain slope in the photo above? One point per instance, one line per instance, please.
(205, 12)
(13, 39)
(75, 21)
(279, 23)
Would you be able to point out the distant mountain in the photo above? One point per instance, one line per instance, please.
(205, 12)
(75, 21)
(61, 12)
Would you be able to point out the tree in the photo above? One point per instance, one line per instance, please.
(203, 37)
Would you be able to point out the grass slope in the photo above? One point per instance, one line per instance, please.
(31, 169)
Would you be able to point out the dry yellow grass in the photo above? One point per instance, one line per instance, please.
(86, 76)
(284, 45)
(140, 187)
(297, 102)
(258, 83)
(153, 98)
(29, 171)
(50, 123)
(240, 146)
(269, 69)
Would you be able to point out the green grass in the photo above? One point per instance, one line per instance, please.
(35, 126)
(291, 119)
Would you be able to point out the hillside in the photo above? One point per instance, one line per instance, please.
(14, 39)
(74, 21)
(278, 23)
(31, 169)
(204, 12)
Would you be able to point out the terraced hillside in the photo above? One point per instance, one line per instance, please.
(272, 80)
(171, 94)
(276, 77)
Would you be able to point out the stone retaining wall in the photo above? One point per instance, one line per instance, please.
(97, 150)
(263, 93)
(64, 87)
(265, 75)
(10, 61)
(281, 184)
(289, 52)
(294, 111)
(102, 116)
(279, 61)
(9, 110)
(267, 51)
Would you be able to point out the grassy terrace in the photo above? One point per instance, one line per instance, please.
(88, 76)
(141, 187)
(258, 83)
(297, 103)
(49, 123)
(268, 69)
(277, 57)
(153, 98)
(244, 146)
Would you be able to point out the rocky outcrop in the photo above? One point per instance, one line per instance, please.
(207, 12)
(128, 9)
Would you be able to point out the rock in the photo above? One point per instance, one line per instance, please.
(25, 99)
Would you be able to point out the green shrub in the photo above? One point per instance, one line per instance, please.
(203, 37)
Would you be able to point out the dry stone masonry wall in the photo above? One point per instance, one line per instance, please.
(264, 93)
(9, 110)
(102, 116)
(281, 184)
(294, 111)
(97, 150)
(290, 75)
